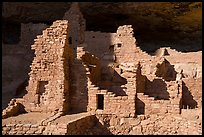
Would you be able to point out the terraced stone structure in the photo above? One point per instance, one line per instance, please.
(85, 82)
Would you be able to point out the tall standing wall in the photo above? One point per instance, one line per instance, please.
(48, 83)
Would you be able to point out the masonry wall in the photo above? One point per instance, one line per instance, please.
(119, 105)
(125, 44)
(77, 26)
(113, 47)
(79, 93)
(98, 43)
(166, 100)
(22, 129)
(124, 106)
(93, 65)
(74, 127)
(120, 48)
(48, 82)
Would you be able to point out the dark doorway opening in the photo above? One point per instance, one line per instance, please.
(70, 40)
(41, 90)
(140, 107)
(100, 103)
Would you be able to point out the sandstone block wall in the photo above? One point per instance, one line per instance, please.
(22, 129)
(98, 43)
(112, 46)
(190, 69)
(168, 100)
(124, 50)
(48, 80)
(67, 72)
(79, 94)
(120, 105)
(153, 124)
(80, 126)
(125, 105)
(92, 64)
(75, 127)
(125, 44)
(77, 26)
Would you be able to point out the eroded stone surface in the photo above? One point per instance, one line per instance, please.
(84, 82)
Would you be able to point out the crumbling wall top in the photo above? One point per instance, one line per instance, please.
(125, 30)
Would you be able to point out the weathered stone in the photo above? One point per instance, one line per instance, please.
(108, 74)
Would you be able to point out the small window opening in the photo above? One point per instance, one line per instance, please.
(70, 40)
(100, 101)
(119, 45)
(121, 71)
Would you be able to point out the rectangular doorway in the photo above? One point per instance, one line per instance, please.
(41, 90)
(100, 101)
(41, 87)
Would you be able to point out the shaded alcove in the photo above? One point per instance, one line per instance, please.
(78, 94)
(157, 89)
(21, 89)
(104, 77)
(100, 58)
(187, 98)
(140, 107)
(112, 81)
(166, 71)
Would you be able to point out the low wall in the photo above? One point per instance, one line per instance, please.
(22, 129)
(74, 127)
(164, 98)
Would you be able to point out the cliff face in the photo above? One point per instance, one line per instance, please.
(156, 24)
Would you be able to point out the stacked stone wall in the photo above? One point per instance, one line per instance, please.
(159, 101)
(48, 81)
(98, 43)
(74, 127)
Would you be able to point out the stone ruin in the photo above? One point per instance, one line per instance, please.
(104, 74)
